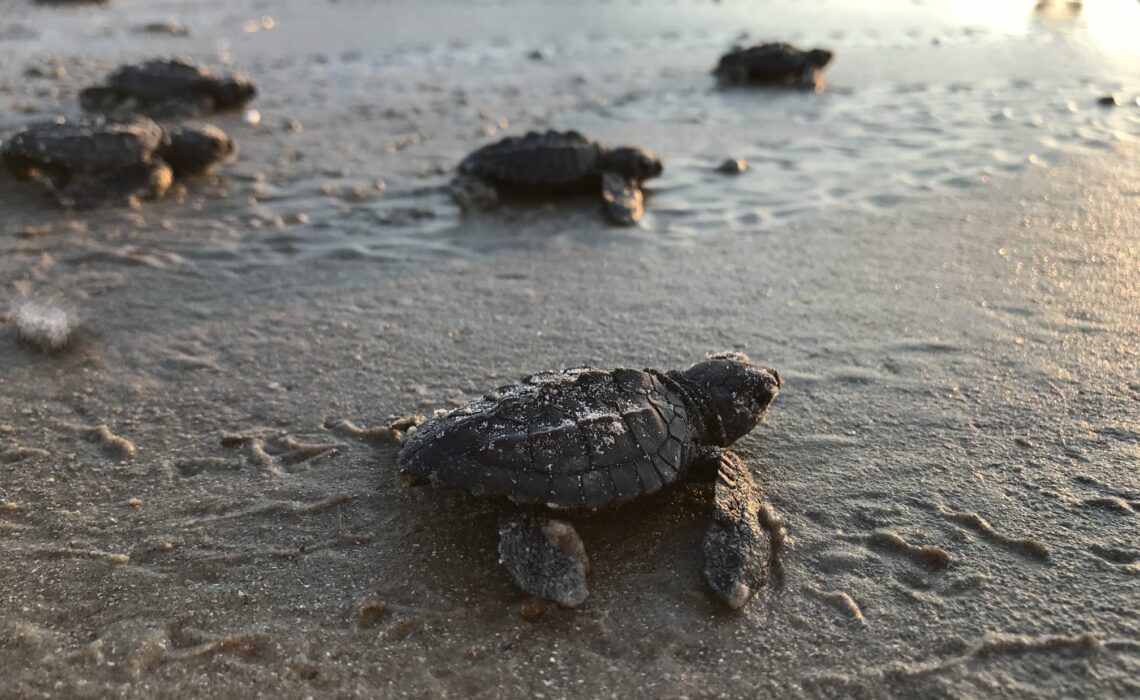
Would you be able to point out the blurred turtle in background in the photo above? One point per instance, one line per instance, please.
(89, 163)
(168, 88)
(555, 162)
(774, 64)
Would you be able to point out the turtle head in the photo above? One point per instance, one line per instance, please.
(233, 91)
(632, 163)
(191, 150)
(737, 389)
(819, 57)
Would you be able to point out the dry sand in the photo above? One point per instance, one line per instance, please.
(956, 324)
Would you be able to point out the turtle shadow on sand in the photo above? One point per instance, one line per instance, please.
(522, 220)
(514, 224)
(650, 548)
(585, 439)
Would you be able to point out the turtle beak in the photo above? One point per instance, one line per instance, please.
(768, 390)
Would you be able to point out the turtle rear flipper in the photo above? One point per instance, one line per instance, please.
(20, 166)
(473, 192)
(144, 180)
(545, 557)
(737, 546)
(731, 74)
(625, 204)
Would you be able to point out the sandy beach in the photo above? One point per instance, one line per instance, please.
(940, 254)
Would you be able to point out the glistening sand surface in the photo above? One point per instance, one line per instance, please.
(955, 448)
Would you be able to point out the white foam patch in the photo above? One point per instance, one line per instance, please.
(47, 325)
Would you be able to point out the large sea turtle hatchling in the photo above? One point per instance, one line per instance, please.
(168, 88)
(583, 439)
(556, 162)
(94, 162)
(774, 64)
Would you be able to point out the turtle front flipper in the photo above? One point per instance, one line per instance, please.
(101, 100)
(743, 535)
(813, 79)
(625, 204)
(191, 106)
(142, 180)
(545, 557)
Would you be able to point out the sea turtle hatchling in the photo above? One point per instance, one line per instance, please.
(583, 439)
(168, 88)
(94, 162)
(774, 64)
(558, 162)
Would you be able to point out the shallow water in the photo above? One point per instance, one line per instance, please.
(385, 116)
(938, 253)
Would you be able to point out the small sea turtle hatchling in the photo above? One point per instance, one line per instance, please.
(95, 162)
(557, 162)
(774, 64)
(168, 88)
(583, 439)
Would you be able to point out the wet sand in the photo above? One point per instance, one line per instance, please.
(956, 325)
